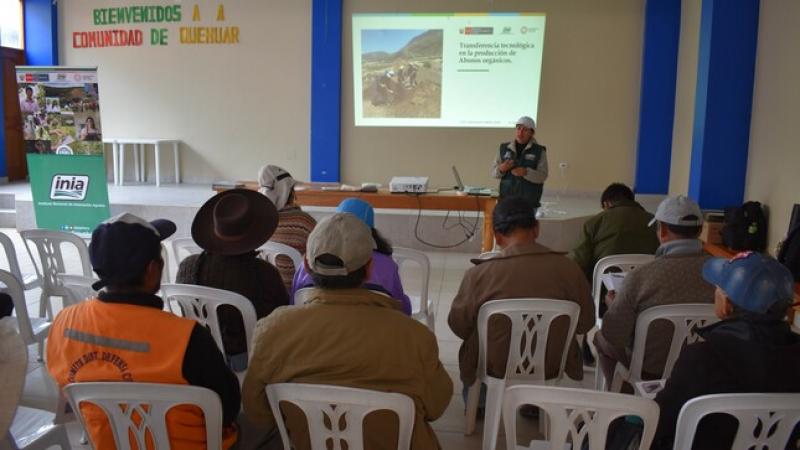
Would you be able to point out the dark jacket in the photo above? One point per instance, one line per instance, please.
(533, 157)
(737, 356)
(245, 274)
(622, 228)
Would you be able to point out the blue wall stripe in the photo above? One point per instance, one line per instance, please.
(326, 74)
(3, 167)
(41, 33)
(724, 99)
(657, 99)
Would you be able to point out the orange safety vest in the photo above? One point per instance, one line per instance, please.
(99, 341)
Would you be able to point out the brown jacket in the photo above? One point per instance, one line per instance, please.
(354, 338)
(530, 270)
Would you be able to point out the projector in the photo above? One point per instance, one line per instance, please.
(415, 185)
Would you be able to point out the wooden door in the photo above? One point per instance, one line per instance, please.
(15, 144)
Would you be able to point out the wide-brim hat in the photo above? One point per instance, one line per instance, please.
(234, 222)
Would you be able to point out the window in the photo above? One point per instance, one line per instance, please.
(11, 23)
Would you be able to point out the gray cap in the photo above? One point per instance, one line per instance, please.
(676, 211)
(527, 122)
(344, 236)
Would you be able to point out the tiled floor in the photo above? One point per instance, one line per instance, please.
(447, 270)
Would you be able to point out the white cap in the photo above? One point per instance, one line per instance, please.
(676, 211)
(527, 122)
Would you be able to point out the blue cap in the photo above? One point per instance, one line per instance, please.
(358, 208)
(123, 245)
(752, 281)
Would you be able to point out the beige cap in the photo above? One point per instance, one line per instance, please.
(344, 236)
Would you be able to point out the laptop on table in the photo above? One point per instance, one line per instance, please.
(470, 190)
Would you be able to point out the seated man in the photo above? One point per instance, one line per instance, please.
(751, 350)
(622, 227)
(347, 336)
(524, 269)
(675, 276)
(124, 334)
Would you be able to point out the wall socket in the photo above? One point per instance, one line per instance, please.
(563, 165)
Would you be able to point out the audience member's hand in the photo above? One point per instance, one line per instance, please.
(506, 165)
(610, 298)
(519, 171)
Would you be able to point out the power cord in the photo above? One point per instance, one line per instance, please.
(468, 228)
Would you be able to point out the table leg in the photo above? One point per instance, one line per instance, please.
(137, 150)
(488, 231)
(115, 161)
(175, 146)
(121, 164)
(158, 164)
(144, 165)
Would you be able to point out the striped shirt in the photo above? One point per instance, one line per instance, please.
(294, 226)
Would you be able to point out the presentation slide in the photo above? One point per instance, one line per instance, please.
(446, 70)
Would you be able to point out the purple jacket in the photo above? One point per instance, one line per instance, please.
(385, 275)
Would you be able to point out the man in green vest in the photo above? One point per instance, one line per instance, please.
(521, 165)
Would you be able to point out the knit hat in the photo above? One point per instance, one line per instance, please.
(358, 208)
(277, 184)
(677, 211)
(752, 281)
(123, 245)
(344, 236)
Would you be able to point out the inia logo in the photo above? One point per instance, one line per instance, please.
(69, 187)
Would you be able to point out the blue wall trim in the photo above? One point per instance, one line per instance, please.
(723, 103)
(41, 33)
(657, 99)
(3, 167)
(326, 75)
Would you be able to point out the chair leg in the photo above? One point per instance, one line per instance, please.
(494, 409)
(473, 397)
(40, 347)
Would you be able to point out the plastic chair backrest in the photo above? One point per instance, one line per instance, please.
(13, 364)
(270, 250)
(48, 246)
(576, 415)
(530, 321)
(149, 404)
(489, 255)
(79, 285)
(200, 303)
(184, 245)
(765, 420)
(14, 289)
(11, 257)
(624, 263)
(165, 276)
(400, 256)
(320, 402)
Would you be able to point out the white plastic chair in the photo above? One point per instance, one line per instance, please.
(33, 330)
(79, 286)
(165, 276)
(685, 318)
(489, 255)
(150, 402)
(765, 420)
(30, 429)
(183, 245)
(530, 320)
(576, 415)
(422, 308)
(29, 280)
(622, 263)
(271, 250)
(200, 303)
(320, 402)
(49, 248)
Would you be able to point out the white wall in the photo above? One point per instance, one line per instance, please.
(773, 172)
(236, 107)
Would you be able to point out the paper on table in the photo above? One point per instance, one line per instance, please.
(613, 281)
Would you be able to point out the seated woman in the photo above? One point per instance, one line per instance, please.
(384, 276)
(294, 225)
(229, 227)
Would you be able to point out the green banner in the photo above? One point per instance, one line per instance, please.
(69, 192)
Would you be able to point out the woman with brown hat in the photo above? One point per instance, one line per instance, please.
(229, 227)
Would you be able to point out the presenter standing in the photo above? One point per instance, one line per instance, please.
(521, 165)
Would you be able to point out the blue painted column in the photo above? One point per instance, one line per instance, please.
(723, 103)
(326, 74)
(41, 33)
(657, 99)
(3, 166)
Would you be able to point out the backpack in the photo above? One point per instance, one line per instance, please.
(745, 227)
(789, 254)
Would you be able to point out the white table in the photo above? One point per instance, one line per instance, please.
(139, 146)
